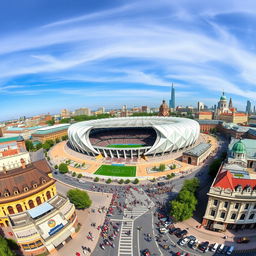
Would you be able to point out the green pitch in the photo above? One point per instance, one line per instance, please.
(125, 146)
(114, 170)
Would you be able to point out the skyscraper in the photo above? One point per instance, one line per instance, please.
(172, 100)
(248, 107)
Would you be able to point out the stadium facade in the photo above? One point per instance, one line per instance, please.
(132, 137)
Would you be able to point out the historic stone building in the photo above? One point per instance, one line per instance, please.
(232, 196)
(164, 109)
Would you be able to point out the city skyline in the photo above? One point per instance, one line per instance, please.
(60, 60)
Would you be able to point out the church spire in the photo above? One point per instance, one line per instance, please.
(230, 105)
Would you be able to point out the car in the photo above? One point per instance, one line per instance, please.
(241, 240)
(192, 242)
(160, 184)
(214, 247)
(203, 246)
(231, 249)
(220, 248)
(172, 230)
(191, 238)
(163, 230)
(195, 245)
(178, 254)
(225, 249)
(146, 252)
(176, 231)
(183, 241)
(182, 233)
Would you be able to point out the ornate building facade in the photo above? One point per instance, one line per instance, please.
(164, 109)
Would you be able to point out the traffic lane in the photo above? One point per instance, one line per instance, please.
(145, 221)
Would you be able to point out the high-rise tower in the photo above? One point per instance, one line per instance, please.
(172, 100)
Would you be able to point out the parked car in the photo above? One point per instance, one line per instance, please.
(231, 249)
(225, 249)
(191, 238)
(172, 230)
(183, 241)
(203, 246)
(195, 245)
(146, 252)
(241, 240)
(214, 247)
(176, 231)
(192, 242)
(163, 230)
(182, 233)
(220, 248)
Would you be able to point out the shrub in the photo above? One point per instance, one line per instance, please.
(127, 181)
(5, 248)
(170, 176)
(136, 181)
(108, 181)
(96, 179)
(63, 168)
(79, 176)
(73, 174)
(79, 198)
(56, 166)
(121, 181)
(48, 158)
(162, 167)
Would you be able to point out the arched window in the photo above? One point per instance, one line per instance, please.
(38, 200)
(31, 204)
(19, 208)
(251, 216)
(242, 217)
(10, 210)
(48, 195)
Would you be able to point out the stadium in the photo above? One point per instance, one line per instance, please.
(133, 137)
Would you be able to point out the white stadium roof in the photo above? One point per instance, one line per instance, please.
(173, 133)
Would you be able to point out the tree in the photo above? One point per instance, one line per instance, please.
(127, 181)
(162, 167)
(79, 175)
(169, 176)
(63, 168)
(51, 122)
(108, 181)
(96, 179)
(121, 181)
(56, 166)
(180, 211)
(29, 145)
(73, 174)
(136, 181)
(187, 197)
(57, 140)
(79, 198)
(5, 248)
(39, 145)
(64, 137)
(191, 185)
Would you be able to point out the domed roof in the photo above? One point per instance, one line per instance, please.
(223, 97)
(239, 147)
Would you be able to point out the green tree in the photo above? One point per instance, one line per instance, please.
(121, 181)
(57, 140)
(63, 168)
(180, 211)
(73, 174)
(79, 198)
(64, 137)
(161, 167)
(56, 166)
(39, 145)
(127, 181)
(136, 181)
(29, 145)
(191, 185)
(79, 175)
(5, 248)
(169, 176)
(187, 197)
(51, 122)
(96, 179)
(108, 181)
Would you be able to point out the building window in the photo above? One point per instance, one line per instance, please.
(215, 202)
(38, 200)
(246, 206)
(233, 216)
(242, 217)
(222, 215)
(237, 205)
(19, 208)
(31, 204)
(251, 216)
(48, 195)
(10, 210)
(226, 204)
(212, 213)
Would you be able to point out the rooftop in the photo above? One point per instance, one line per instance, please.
(198, 150)
(8, 139)
(51, 129)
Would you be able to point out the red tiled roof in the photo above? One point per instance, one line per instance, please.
(10, 152)
(225, 179)
(205, 113)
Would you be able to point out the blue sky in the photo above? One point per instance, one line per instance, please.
(58, 54)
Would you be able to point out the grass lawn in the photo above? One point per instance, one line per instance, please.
(125, 146)
(114, 170)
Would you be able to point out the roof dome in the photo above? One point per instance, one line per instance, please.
(239, 147)
(223, 97)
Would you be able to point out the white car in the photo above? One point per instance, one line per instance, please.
(163, 230)
(184, 241)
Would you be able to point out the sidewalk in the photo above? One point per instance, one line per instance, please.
(203, 234)
(86, 217)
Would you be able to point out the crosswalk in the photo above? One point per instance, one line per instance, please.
(126, 239)
(134, 213)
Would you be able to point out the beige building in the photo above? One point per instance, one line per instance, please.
(232, 196)
(204, 115)
(82, 111)
(65, 113)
